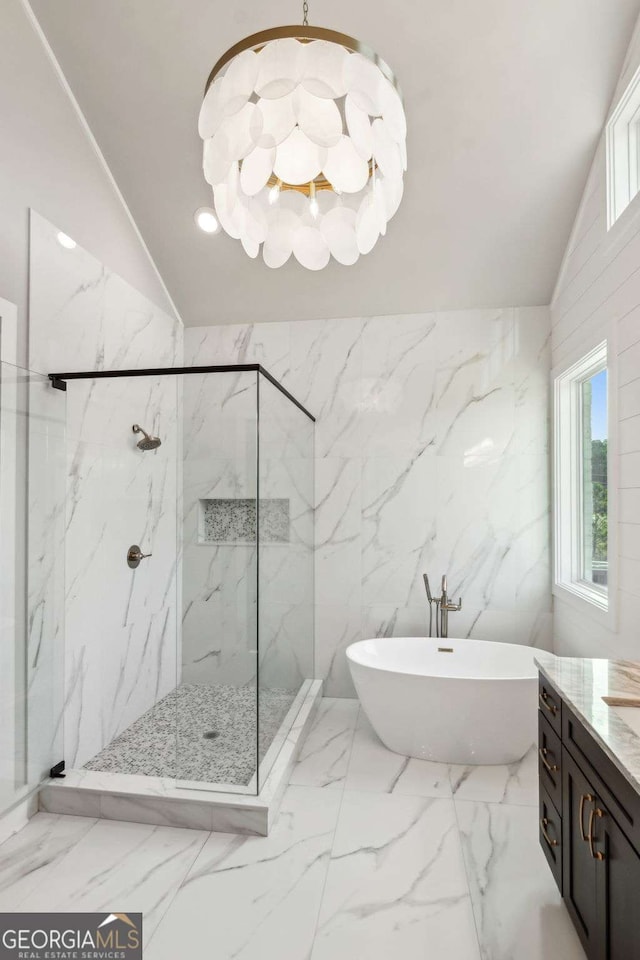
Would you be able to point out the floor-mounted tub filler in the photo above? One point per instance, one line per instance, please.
(447, 700)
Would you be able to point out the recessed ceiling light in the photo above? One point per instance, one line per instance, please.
(206, 220)
(66, 241)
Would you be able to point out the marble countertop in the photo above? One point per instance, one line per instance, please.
(582, 684)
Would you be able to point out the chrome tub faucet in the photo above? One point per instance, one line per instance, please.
(443, 607)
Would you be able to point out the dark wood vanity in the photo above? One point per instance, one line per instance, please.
(589, 831)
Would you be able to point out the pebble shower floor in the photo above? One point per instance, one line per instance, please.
(170, 740)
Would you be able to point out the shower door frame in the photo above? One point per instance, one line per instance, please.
(59, 382)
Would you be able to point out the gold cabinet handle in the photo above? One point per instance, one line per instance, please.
(551, 707)
(544, 823)
(588, 798)
(550, 767)
(596, 812)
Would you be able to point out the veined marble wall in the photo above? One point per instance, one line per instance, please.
(221, 579)
(121, 628)
(431, 455)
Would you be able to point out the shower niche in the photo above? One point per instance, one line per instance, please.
(236, 520)
(186, 679)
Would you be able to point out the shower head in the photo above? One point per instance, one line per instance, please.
(147, 442)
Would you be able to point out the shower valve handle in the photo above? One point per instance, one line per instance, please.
(135, 555)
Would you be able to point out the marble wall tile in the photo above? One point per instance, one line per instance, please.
(223, 581)
(121, 641)
(431, 455)
(397, 543)
(326, 377)
(338, 531)
(337, 626)
(267, 344)
(398, 413)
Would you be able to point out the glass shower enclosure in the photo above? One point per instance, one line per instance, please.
(180, 573)
(32, 496)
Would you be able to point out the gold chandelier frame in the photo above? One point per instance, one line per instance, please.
(305, 34)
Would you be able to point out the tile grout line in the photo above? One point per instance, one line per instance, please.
(466, 875)
(333, 839)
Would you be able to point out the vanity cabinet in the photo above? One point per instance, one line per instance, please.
(590, 835)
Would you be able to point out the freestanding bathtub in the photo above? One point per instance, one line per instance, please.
(454, 701)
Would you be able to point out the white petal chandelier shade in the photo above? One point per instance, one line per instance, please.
(304, 136)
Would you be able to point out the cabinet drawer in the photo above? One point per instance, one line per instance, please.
(550, 760)
(550, 705)
(550, 825)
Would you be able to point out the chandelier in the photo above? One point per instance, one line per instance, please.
(304, 136)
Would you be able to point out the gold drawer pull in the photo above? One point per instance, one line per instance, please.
(589, 799)
(551, 707)
(544, 823)
(596, 812)
(550, 767)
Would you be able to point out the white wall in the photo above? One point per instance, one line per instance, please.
(48, 162)
(431, 455)
(598, 290)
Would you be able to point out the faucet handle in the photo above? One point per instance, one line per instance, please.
(457, 606)
(427, 587)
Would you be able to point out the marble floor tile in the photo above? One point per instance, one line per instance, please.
(130, 866)
(374, 768)
(514, 783)
(324, 757)
(396, 885)
(518, 911)
(34, 856)
(250, 898)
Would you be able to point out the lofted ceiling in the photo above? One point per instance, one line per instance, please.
(505, 100)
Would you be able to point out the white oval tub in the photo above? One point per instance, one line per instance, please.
(475, 705)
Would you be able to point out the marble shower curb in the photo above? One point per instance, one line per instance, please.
(156, 800)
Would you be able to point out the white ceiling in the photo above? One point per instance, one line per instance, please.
(505, 100)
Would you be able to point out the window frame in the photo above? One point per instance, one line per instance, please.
(623, 152)
(568, 483)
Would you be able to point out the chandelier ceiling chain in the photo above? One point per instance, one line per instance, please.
(304, 136)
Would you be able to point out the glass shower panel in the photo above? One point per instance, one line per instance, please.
(285, 586)
(32, 500)
(122, 613)
(218, 716)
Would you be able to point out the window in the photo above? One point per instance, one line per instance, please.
(581, 473)
(623, 152)
(594, 479)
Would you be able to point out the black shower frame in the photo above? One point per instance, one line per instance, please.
(59, 382)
